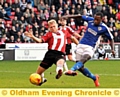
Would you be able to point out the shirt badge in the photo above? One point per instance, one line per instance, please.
(99, 28)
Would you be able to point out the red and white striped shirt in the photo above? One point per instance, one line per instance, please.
(56, 41)
(69, 32)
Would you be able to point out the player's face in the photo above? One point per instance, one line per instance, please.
(97, 20)
(53, 27)
(63, 22)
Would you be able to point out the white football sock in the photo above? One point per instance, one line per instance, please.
(42, 75)
(65, 66)
(59, 67)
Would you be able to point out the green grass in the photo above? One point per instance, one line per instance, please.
(15, 74)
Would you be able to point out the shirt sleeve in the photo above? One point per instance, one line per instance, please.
(46, 37)
(108, 34)
(87, 18)
(71, 31)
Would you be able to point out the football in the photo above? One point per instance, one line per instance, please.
(35, 78)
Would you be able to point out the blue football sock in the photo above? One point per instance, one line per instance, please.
(87, 73)
(77, 66)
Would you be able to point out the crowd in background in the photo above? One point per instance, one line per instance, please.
(16, 16)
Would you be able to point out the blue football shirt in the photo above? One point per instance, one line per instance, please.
(93, 32)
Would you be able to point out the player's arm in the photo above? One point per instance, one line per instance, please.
(111, 39)
(74, 40)
(30, 34)
(84, 17)
(112, 47)
(72, 16)
(77, 35)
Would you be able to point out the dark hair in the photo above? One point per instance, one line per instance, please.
(99, 14)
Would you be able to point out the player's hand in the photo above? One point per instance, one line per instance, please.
(113, 53)
(28, 34)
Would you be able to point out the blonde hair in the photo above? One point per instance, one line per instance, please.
(52, 22)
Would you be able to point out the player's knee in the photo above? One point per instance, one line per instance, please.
(60, 61)
(81, 69)
(85, 58)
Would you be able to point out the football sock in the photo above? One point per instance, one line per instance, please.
(42, 75)
(87, 73)
(59, 67)
(77, 66)
(65, 66)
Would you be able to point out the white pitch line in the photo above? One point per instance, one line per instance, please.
(54, 72)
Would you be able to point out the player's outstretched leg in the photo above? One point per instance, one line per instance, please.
(70, 73)
(87, 73)
(96, 82)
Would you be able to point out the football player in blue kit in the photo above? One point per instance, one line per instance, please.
(85, 48)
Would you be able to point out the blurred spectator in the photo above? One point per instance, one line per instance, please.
(99, 6)
(94, 9)
(42, 16)
(117, 24)
(12, 39)
(15, 5)
(7, 9)
(38, 19)
(18, 13)
(73, 9)
(28, 19)
(31, 2)
(22, 21)
(7, 33)
(111, 22)
(111, 13)
(5, 15)
(23, 5)
(72, 24)
(67, 12)
(79, 9)
(18, 40)
(104, 11)
(3, 40)
(14, 21)
(116, 37)
(117, 2)
(17, 26)
(19, 35)
(106, 20)
(2, 30)
(27, 11)
(60, 11)
(41, 5)
(89, 10)
(36, 28)
(2, 2)
(73, 12)
(54, 13)
(13, 31)
(118, 15)
(33, 18)
(101, 52)
(46, 14)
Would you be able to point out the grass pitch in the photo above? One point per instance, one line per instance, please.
(15, 74)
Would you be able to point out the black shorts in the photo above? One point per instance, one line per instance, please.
(51, 57)
(68, 49)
